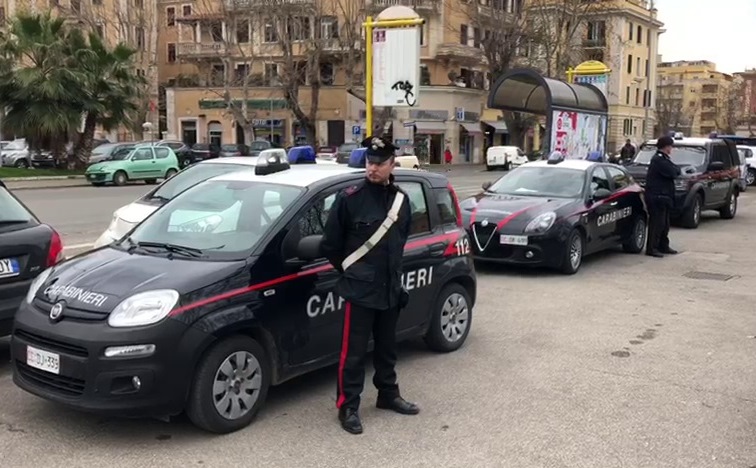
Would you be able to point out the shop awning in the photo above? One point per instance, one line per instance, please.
(430, 128)
(499, 126)
(471, 127)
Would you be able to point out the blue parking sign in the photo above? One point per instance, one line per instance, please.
(356, 130)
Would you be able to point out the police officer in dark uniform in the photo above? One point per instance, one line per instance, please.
(660, 197)
(371, 284)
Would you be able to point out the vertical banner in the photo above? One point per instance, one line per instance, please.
(396, 66)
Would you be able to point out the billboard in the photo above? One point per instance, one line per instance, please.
(577, 134)
(396, 66)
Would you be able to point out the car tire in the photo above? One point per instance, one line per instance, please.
(489, 168)
(751, 177)
(98, 184)
(170, 173)
(186, 162)
(573, 253)
(120, 178)
(637, 239)
(451, 319)
(731, 208)
(691, 218)
(416, 167)
(508, 166)
(150, 181)
(22, 164)
(203, 407)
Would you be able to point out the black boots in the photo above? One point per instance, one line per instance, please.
(350, 417)
(350, 420)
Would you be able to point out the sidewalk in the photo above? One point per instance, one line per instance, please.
(32, 183)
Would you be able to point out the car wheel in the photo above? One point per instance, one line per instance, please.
(119, 178)
(573, 254)
(185, 162)
(692, 216)
(637, 240)
(22, 164)
(450, 322)
(98, 184)
(150, 181)
(751, 177)
(508, 166)
(489, 168)
(415, 167)
(170, 173)
(729, 210)
(230, 385)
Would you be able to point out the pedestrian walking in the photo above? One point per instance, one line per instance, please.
(364, 240)
(448, 158)
(660, 197)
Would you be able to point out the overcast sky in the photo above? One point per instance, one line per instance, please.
(722, 31)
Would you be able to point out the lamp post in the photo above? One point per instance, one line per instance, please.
(147, 127)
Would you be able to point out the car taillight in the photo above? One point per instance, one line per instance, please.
(55, 253)
(456, 204)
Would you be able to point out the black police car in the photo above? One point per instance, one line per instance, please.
(222, 292)
(27, 248)
(710, 177)
(553, 213)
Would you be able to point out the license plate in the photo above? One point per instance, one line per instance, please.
(43, 360)
(9, 267)
(513, 240)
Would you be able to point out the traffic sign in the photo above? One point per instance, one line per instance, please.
(356, 130)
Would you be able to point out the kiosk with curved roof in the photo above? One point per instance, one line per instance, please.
(526, 90)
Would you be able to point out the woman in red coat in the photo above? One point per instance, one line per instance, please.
(447, 157)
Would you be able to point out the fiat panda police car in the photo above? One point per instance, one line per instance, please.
(553, 213)
(222, 292)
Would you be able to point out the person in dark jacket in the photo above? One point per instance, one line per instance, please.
(627, 153)
(660, 197)
(371, 286)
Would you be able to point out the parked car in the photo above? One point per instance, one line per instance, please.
(203, 151)
(327, 152)
(106, 151)
(259, 145)
(27, 248)
(748, 153)
(142, 162)
(182, 150)
(345, 151)
(504, 157)
(710, 177)
(15, 154)
(234, 150)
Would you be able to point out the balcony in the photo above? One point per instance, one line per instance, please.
(460, 53)
(599, 43)
(200, 49)
(237, 5)
(417, 5)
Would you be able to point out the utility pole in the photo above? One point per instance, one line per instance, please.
(647, 97)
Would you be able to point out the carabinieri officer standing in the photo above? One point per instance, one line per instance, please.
(364, 240)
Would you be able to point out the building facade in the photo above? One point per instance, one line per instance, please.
(747, 125)
(693, 98)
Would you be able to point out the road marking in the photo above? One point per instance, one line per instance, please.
(78, 246)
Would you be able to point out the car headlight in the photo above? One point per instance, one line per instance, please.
(143, 308)
(542, 222)
(681, 184)
(36, 284)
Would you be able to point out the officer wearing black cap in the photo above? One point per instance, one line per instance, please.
(364, 240)
(660, 197)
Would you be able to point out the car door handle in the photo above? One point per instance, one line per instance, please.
(437, 249)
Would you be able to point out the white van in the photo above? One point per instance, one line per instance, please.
(506, 157)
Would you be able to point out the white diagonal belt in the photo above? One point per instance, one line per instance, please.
(391, 218)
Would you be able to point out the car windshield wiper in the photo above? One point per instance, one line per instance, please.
(173, 248)
(160, 198)
(13, 221)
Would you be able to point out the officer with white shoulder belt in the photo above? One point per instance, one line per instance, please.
(364, 240)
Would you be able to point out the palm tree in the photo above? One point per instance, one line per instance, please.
(112, 88)
(40, 90)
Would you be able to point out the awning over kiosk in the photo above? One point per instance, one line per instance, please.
(430, 128)
(471, 127)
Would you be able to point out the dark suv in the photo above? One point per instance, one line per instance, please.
(709, 180)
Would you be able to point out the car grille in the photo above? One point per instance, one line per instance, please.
(96, 176)
(59, 383)
(71, 313)
(51, 344)
(483, 236)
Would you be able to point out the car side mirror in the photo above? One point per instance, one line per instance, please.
(308, 248)
(601, 194)
(716, 166)
(486, 185)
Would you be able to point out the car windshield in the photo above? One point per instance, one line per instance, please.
(218, 219)
(121, 153)
(681, 155)
(11, 211)
(16, 145)
(192, 176)
(106, 148)
(347, 147)
(541, 182)
(230, 148)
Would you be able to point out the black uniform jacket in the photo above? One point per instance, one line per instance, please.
(374, 281)
(660, 179)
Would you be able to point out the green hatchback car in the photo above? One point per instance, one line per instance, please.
(141, 162)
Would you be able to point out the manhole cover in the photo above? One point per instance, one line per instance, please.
(705, 275)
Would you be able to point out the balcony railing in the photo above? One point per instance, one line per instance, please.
(258, 4)
(414, 4)
(198, 49)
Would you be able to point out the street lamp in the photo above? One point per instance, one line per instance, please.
(147, 127)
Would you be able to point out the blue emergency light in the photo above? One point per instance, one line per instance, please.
(302, 155)
(357, 158)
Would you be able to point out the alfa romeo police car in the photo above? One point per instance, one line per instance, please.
(222, 292)
(553, 213)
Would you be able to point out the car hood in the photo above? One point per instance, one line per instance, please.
(487, 209)
(135, 213)
(103, 166)
(99, 280)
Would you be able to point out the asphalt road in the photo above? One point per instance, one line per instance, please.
(627, 364)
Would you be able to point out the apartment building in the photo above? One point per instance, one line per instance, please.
(693, 97)
(130, 21)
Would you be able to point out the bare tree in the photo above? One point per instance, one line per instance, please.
(732, 109)
(671, 112)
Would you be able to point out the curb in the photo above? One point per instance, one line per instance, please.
(29, 179)
(47, 187)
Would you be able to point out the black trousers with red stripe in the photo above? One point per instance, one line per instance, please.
(359, 324)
